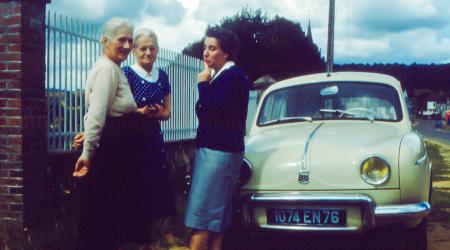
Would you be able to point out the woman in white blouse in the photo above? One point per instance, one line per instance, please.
(112, 163)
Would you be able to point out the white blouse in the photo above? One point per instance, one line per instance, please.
(153, 76)
(107, 94)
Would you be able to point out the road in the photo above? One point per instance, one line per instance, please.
(426, 128)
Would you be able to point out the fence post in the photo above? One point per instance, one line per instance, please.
(23, 143)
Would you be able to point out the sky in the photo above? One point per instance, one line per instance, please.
(366, 31)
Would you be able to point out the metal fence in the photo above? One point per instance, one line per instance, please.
(72, 47)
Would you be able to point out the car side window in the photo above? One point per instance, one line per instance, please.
(274, 108)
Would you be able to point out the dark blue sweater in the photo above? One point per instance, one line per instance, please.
(222, 111)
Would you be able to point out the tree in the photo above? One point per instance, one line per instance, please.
(268, 46)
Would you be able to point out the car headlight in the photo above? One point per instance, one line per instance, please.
(375, 170)
(246, 173)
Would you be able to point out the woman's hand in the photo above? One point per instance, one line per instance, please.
(81, 167)
(144, 110)
(205, 75)
(155, 109)
(78, 140)
(150, 110)
(158, 111)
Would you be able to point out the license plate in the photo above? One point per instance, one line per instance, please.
(297, 216)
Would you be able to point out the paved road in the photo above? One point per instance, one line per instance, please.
(426, 128)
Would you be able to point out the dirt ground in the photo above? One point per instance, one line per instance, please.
(438, 236)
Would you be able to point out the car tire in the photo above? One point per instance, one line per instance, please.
(237, 236)
(415, 238)
(399, 237)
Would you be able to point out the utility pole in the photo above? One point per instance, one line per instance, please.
(330, 45)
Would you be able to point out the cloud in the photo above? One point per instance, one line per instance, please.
(85, 10)
(171, 12)
(397, 15)
(177, 37)
(390, 31)
(213, 11)
(357, 47)
(427, 46)
(403, 31)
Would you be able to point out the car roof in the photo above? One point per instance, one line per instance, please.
(338, 77)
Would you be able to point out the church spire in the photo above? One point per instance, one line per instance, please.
(308, 33)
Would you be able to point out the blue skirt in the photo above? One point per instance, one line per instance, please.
(214, 180)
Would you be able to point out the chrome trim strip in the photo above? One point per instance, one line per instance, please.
(309, 198)
(310, 228)
(421, 160)
(302, 163)
(416, 209)
(369, 211)
(323, 199)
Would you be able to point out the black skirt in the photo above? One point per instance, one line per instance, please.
(162, 198)
(116, 195)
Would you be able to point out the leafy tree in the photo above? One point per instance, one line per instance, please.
(422, 82)
(268, 46)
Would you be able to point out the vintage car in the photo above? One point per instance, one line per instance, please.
(335, 152)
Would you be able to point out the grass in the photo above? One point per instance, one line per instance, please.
(440, 158)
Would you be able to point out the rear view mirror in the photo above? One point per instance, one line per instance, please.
(332, 90)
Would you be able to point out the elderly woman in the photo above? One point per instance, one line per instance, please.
(112, 164)
(221, 110)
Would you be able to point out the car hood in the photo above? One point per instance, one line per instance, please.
(333, 157)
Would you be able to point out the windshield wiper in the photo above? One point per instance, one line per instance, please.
(288, 119)
(342, 112)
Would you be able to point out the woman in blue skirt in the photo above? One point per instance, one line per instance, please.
(221, 110)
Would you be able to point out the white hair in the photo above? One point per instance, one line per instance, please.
(145, 32)
(111, 26)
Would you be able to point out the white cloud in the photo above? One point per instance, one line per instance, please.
(357, 47)
(403, 31)
(174, 37)
(189, 5)
(86, 10)
(427, 46)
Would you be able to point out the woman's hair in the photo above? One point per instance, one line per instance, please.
(145, 32)
(227, 40)
(111, 26)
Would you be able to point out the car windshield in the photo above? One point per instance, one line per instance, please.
(331, 101)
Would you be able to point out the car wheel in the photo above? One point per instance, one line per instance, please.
(416, 238)
(237, 236)
(399, 237)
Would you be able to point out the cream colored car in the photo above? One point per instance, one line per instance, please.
(335, 153)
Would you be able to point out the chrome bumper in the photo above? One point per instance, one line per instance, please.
(369, 210)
